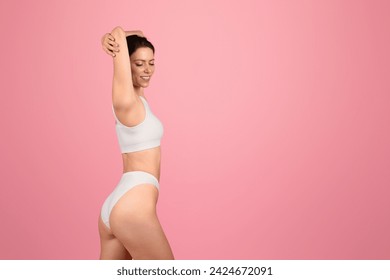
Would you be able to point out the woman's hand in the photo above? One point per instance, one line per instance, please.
(109, 45)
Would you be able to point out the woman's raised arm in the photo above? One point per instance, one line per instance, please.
(123, 95)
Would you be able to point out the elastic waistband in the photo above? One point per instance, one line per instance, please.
(140, 176)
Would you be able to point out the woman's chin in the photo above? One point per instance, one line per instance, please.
(145, 85)
(141, 85)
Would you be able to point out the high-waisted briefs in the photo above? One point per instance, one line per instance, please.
(128, 181)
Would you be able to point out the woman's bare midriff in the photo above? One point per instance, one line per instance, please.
(146, 160)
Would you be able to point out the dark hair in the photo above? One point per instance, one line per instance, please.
(134, 42)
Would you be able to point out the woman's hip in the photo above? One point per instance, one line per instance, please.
(128, 181)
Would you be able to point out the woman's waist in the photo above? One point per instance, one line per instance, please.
(147, 161)
(153, 170)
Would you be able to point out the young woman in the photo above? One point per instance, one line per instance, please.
(128, 223)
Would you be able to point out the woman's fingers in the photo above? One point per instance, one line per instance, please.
(109, 52)
(109, 45)
(112, 44)
(112, 47)
(106, 37)
(110, 37)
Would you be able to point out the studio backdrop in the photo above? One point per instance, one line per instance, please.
(276, 117)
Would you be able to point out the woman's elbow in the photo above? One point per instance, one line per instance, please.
(118, 31)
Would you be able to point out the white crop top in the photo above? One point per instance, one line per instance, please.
(145, 135)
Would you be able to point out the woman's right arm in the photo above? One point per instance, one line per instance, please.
(123, 95)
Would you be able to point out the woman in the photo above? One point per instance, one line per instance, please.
(128, 224)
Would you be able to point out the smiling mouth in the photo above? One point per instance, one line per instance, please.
(146, 78)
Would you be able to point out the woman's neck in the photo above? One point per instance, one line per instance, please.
(139, 91)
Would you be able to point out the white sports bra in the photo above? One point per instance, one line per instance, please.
(145, 135)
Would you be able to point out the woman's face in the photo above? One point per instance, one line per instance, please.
(142, 66)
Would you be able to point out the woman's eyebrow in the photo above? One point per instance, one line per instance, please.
(143, 59)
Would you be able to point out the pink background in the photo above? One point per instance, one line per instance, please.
(276, 117)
